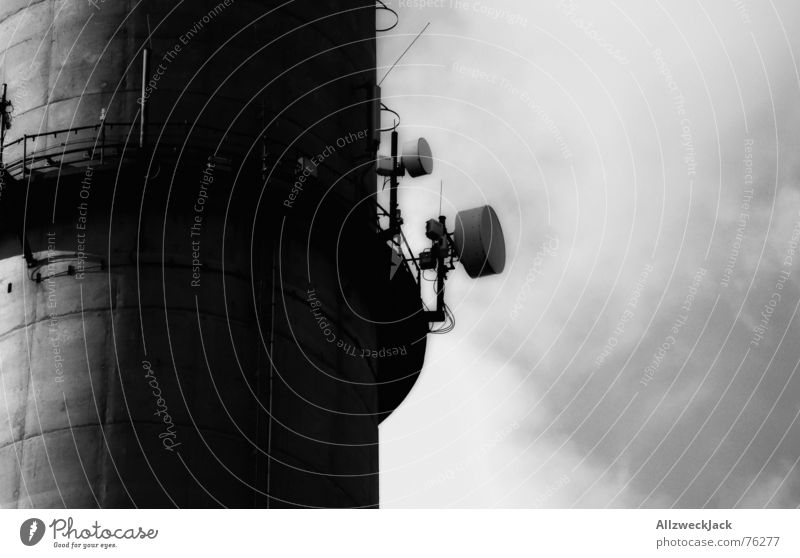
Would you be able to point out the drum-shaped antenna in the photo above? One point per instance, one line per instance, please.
(479, 241)
(417, 157)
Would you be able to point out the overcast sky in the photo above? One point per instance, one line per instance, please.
(641, 347)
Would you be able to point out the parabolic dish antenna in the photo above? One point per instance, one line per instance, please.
(417, 157)
(479, 241)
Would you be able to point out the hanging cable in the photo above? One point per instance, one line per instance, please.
(426, 279)
(383, 7)
(449, 325)
(396, 124)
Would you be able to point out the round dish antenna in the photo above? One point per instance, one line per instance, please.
(479, 241)
(417, 157)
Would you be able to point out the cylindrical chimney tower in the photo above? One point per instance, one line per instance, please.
(195, 308)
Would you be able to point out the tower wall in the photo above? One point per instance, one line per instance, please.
(194, 326)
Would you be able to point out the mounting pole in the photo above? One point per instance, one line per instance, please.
(144, 108)
(441, 271)
(3, 117)
(442, 248)
(394, 224)
(394, 212)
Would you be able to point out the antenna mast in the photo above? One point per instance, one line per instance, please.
(4, 120)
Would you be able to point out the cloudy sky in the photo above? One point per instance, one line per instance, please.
(641, 347)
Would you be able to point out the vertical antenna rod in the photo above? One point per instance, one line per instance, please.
(145, 74)
(441, 193)
(394, 224)
(3, 119)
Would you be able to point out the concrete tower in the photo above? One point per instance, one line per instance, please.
(195, 308)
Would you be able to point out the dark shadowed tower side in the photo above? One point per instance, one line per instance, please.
(195, 310)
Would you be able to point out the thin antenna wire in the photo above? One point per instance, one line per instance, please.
(404, 52)
(149, 33)
(441, 191)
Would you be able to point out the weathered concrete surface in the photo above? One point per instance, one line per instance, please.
(214, 331)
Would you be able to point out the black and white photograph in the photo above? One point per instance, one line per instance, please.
(506, 270)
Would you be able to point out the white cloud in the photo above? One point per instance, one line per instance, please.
(498, 107)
